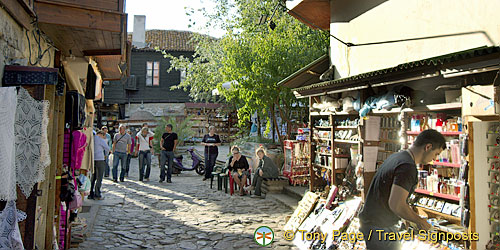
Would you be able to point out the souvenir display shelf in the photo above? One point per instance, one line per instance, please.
(440, 193)
(446, 207)
(333, 139)
(296, 167)
(223, 118)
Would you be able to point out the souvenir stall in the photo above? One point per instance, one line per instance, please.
(296, 153)
(203, 115)
(357, 122)
(78, 148)
(32, 100)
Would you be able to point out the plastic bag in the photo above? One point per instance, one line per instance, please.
(84, 186)
(110, 159)
(76, 202)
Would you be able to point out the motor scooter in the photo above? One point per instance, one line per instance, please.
(197, 165)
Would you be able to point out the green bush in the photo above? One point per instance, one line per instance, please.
(183, 130)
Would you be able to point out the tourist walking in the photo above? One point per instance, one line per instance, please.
(101, 151)
(109, 141)
(168, 144)
(130, 153)
(150, 131)
(211, 141)
(121, 147)
(144, 148)
(266, 170)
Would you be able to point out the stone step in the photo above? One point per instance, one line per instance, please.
(285, 200)
(296, 192)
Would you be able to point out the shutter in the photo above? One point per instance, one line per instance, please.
(131, 83)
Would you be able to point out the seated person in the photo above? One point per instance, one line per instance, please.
(238, 167)
(266, 169)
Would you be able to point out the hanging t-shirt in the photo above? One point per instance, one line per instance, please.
(211, 139)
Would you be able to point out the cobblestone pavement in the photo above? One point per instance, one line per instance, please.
(185, 214)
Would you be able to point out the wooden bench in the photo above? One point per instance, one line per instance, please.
(274, 185)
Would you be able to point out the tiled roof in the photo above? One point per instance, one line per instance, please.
(169, 40)
(434, 61)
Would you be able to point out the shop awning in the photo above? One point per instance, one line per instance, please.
(87, 28)
(425, 68)
(308, 74)
(316, 12)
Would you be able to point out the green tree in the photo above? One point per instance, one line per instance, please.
(252, 57)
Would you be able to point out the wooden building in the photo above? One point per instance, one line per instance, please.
(60, 34)
(149, 86)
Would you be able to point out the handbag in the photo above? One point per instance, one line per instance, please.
(76, 202)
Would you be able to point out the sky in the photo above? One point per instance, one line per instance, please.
(169, 15)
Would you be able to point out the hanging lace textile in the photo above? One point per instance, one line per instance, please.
(10, 236)
(31, 142)
(8, 102)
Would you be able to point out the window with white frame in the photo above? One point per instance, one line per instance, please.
(152, 73)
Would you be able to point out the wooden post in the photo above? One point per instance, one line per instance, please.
(46, 187)
(60, 162)
(56, 157)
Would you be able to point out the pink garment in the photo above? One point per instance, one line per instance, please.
(78, 149)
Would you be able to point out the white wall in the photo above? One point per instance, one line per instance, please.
(400, 19)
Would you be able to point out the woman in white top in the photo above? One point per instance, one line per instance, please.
(144, 147)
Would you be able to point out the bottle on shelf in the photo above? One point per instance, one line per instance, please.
(459, 124)
(417, 124)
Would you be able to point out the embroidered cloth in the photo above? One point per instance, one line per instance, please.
(10, 236)
(31, 142)
(8, 101)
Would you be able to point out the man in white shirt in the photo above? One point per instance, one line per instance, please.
(144, 148)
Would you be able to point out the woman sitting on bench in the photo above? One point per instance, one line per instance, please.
(238, 167)
(266, 170)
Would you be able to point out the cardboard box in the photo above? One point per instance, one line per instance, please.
(480, 100)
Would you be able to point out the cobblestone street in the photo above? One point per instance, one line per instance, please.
(185, 214)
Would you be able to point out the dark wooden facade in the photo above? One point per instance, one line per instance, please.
(120, 92)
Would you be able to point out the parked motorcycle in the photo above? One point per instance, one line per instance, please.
(197, 165)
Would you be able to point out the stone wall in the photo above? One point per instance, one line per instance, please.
(14, 47)
(157, 109)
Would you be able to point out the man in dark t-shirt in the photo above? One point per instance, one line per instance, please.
(394, 182)
(168, 144)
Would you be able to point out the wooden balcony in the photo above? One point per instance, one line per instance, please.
(95, 28)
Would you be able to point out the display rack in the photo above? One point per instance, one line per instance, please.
(203, 115)
(296, 167)
(332, 137)
(442, 182)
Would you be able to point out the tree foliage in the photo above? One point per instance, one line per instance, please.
(251, 56)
